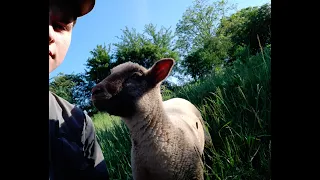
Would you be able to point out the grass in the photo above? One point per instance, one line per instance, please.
(115, 142)
(235, 103)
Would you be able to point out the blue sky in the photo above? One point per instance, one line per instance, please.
(105, 21)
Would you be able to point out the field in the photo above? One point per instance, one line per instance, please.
(235, 101)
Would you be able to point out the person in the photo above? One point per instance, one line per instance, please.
(74, 150)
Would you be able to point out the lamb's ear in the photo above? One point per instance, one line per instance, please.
(160, 70)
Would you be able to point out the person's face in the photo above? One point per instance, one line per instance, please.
(60, 29)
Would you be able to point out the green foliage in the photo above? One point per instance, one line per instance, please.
(207, 38)
(145, 48)
(241, 52)
(199, 23)
(115, 142)
(203, 61)
(82, 93)
(98, 66)
(236, 104)
(197, 41)
(166, 92)
(245, 26)
(75, 88)
(62, 85)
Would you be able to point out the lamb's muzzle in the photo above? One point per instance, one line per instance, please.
(98, 92)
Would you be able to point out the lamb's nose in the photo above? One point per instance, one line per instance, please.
(96, 90)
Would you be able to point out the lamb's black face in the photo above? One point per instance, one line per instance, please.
(118, 93)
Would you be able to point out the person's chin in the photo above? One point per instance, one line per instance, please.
(51, 65)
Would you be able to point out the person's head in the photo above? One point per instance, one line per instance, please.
(62, 17)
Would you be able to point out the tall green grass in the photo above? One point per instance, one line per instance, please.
(235, 103)
(115, 142)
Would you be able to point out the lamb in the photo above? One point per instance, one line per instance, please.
(167, 137)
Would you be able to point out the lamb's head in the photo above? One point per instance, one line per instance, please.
(122, 92)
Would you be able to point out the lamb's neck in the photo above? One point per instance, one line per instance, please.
(149, 124)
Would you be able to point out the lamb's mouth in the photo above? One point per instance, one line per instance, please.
(104, 105)
(99, 101)
(100, 97)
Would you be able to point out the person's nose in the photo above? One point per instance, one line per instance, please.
(51, 34)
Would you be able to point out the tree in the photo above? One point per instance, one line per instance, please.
(244, 26)
(199, 23)
(75, 88)
(202, 61)
(62, 85)
(81, 93)
(145, 48)
(198, 42)
(98, 66)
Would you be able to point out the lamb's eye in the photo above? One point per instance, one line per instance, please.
(136, 74)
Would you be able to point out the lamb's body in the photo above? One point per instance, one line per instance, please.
(167, 142)
(167, 137)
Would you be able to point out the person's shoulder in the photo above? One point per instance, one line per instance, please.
(61, 108)
(57, 100)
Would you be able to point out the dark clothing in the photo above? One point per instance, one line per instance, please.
(74, 152)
